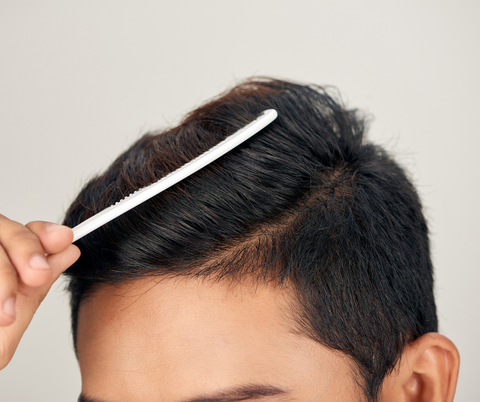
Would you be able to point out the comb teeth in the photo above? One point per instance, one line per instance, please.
(130, 195)
(143, 194)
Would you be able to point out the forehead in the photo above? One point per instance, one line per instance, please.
(171, 339)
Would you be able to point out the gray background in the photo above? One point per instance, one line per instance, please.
(79, 81)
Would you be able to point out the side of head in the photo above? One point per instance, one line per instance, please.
(306, 205)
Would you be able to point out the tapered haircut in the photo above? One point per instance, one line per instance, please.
(308, 203)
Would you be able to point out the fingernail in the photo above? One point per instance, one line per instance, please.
(53, 227)
(9, 306)
(39, 262)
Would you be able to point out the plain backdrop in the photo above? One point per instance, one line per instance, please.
(81, 80)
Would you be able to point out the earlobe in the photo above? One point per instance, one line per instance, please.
(426, 372)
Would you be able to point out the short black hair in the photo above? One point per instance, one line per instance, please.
(307, 201)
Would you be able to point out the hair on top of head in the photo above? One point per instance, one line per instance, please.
(307, 202)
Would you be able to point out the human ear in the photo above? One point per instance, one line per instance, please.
(427, 372)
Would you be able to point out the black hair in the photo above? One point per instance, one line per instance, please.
(307, 201)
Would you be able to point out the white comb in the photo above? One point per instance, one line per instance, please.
(142, 195)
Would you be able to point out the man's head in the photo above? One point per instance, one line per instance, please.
(305, 245)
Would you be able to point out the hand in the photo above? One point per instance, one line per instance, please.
(32, 257)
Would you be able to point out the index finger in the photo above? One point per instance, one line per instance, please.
(25, 252)
(54, 238)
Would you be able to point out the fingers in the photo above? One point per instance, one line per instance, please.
(25, 252)
(58, 262)
(24, 266)
(54, 238)
(8, 289)
(61, 261)
(32, 257)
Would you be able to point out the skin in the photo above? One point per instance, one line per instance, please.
(193, 340)
(26, 274)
